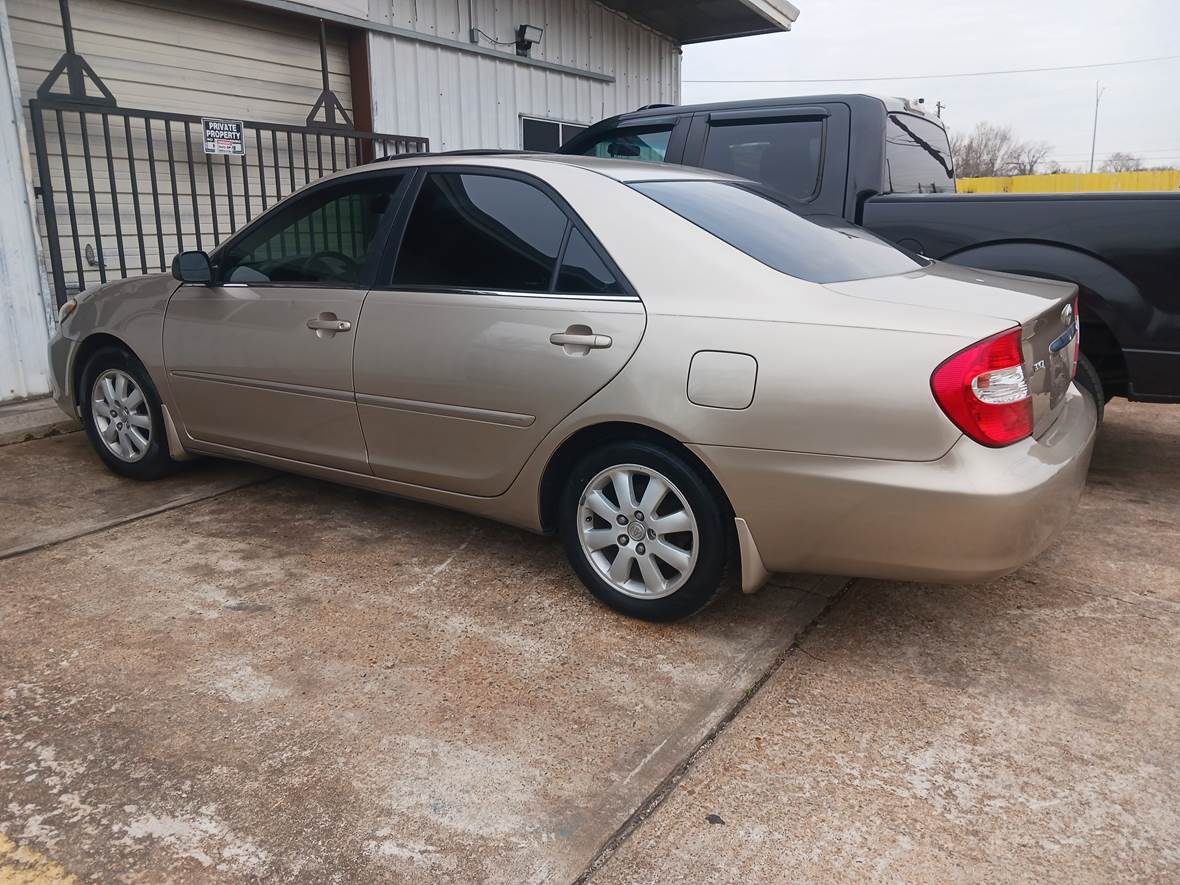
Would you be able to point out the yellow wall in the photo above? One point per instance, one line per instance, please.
(1071, 183)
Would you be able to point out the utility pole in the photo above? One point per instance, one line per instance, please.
(1098, 90)
(938, 106)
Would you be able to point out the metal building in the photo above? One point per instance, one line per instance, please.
(133, 129)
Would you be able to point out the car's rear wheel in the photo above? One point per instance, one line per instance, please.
(644, 531)
(122, 417)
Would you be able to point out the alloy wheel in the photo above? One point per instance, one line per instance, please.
(121, 416)
(638, 531)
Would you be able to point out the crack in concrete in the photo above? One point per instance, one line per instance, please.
(177, 504)
(664, 789)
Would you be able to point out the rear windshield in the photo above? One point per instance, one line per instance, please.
(820, 249)
(917, 157)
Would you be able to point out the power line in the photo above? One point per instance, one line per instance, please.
(1105, 64)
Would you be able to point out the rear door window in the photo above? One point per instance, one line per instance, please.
(583, 272)
(495, 233)
(632, 143)
(917, 156)
(483, 232)
(786, 155)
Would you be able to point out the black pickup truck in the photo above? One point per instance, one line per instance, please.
(884, 164)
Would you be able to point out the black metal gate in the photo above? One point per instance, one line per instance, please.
(123, 190)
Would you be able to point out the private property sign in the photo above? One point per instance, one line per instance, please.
(224, 136)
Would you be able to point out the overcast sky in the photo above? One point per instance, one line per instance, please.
(1139, 112)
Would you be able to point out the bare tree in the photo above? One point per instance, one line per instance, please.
(1122, 162)
(1028, 158)
(990, 150)
(983, 152)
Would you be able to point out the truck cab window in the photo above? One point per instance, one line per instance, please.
(786, 155)
(917, 157)
(632, 143)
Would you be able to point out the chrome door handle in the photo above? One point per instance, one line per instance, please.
(322, 325)
(567, 339)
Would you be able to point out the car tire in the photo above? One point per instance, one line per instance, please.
(674, 554)
(1089, 381)
(122, 417)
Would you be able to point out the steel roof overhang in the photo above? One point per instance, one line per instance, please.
(696, 22)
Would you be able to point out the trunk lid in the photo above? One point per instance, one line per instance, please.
(1045, 310)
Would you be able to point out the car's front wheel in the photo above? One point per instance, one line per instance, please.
(644, 531)
(121, 415)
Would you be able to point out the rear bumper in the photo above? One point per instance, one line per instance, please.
(972, 515)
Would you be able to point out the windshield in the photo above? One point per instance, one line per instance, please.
(817, 248)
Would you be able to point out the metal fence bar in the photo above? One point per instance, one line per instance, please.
(229, 194)
(291, 161)
(106, 139)
(102, 270)
(151, 153)
(274, 149)
(65, 165)
(175, 190)
(246, 180)
(192, 182)
(212, 199)
(261, 166)
(135, 194)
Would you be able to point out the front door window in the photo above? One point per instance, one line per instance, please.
(324, 238)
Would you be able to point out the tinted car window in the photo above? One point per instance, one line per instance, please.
(583, 272)
(480, 232)
(632, 143)
(816, 248)
(785, 154)
(323, 237)
(917, 156)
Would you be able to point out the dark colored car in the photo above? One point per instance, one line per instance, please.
(885, 164)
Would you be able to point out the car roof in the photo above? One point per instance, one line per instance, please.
(620, 170)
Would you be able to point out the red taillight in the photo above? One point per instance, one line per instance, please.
(984, 391)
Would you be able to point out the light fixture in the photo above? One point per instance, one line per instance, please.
(526, 36)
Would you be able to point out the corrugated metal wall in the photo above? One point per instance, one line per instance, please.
(1069, 183)
(461, 100)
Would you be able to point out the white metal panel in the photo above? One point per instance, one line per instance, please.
(24, 329)
(460, 100)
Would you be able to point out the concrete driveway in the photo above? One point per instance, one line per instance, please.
(235, 676)
(297, 681)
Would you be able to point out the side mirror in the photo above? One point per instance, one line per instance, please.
(192, 267)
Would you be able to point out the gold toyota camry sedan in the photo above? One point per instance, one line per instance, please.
(667, 367)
